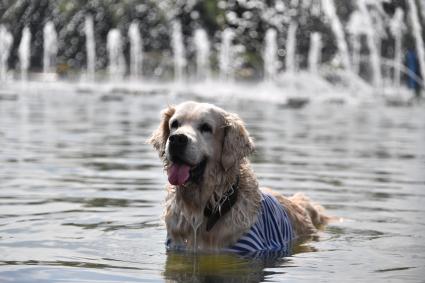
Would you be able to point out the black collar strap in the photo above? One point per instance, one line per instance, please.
(229, 198)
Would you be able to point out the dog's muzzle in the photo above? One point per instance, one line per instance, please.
(180, 170)
(177, 145)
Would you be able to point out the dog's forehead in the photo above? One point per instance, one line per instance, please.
(193, 111)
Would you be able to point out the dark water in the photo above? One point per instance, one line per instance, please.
(81, 193)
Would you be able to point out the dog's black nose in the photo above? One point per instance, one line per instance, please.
(178, 141)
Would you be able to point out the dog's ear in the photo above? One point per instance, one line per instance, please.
(160, 135)
(237, 143)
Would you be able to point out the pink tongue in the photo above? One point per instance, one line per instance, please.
(178, 174)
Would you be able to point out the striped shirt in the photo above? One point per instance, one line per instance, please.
(272, 232)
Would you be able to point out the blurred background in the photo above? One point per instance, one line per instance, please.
(379, 41)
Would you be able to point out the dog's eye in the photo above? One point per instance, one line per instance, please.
(205, 128)
(175, 124)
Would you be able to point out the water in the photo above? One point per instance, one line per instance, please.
(179, 53)
(417, 33)
(6, 40)
(81, 193)
(270, 55)
(136, 53)
(315, 52)
(372, 43)
(90, 47)
(338, 30)
(226, 56)
(271, 61)
(50, 48)
(24, 52)
(397, 27)
(116, 63)
(291, 47)
(202, 47)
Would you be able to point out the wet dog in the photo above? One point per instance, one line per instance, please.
(213, 199)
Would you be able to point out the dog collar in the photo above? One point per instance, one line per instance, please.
(229, 198)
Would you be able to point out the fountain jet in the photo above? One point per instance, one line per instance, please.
(271, 62)
(90, 47)
(179, 52)
(50, 48)
(356, 28)
(202, 46)
(314, 54)
(226, 55)
(24, 52)
(6, 40)
(417, 32)
(136, 50)
(291, 46)
(396, 27)
(329, 9)
(372, 42)
(116, 65)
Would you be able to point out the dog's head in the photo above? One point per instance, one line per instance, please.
(193, 136)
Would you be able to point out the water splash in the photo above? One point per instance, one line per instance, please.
(314, 54)
(50, 48)
(226, 56)
(6, 40)
(136, 50)
(397, 27)
(356, 27)
(202, 46)
(179, 53)
(417, 32)
(372, 43)
(291, 47)
(271, 62)
(116, 65)
(329, 10)
(90, 47)
(24, 52)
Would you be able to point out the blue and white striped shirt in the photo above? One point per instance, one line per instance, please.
(271, 232)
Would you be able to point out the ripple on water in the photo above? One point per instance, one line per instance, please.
(81, 193)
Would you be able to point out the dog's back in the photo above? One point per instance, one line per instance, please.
(306, 215)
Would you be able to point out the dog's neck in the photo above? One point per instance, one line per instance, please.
(186, 204)
(196, 196)
(214, 212)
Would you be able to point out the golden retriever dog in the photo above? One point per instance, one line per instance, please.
(213, 201)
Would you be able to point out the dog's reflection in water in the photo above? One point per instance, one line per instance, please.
(221, 267)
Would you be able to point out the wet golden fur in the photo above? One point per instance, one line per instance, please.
(227, 149)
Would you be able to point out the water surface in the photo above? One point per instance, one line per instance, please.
(81, 193)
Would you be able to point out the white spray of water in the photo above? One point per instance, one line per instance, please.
(329, 9)
(356, 27)
(115, 54)
(24, 52)
(50, 47)
(202, 46)
(291, 47)
(179, 52)
(6, 40)
(90, 47)
(136, 50)
(315, 52)
(226, 55)
(397, 27)
(356, 43)
(417, 32)
(270, 58)
(372, 43)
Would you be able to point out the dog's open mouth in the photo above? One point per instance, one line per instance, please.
(179, 172)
